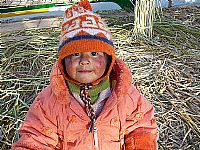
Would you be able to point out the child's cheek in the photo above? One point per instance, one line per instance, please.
(102, 61)
(67, 61)
(70, 62)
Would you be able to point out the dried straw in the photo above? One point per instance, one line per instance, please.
(166, 69)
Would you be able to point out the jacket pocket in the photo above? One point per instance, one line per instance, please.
(111, 131)
(74, 132)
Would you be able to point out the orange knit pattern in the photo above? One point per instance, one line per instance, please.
(84, 31)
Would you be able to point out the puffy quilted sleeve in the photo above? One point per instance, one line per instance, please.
(39, 129)
(141, 127)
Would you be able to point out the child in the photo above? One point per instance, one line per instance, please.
(90, 103)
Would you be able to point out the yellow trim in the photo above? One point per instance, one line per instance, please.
(26, 12)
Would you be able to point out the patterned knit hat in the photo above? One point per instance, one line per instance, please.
(84, 31)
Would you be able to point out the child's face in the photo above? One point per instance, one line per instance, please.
(86, 67)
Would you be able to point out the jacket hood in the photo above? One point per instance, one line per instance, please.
(120, 74)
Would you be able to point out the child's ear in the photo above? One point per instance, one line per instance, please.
(109, 59)
(64, 66)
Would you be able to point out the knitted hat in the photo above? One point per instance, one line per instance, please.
(84, 31)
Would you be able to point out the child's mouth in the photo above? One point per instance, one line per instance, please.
(85, 71)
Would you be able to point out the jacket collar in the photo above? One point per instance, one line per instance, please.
(120, 73)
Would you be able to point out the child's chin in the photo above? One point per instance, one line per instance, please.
(86, 80)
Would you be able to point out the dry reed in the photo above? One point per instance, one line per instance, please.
(144, 12)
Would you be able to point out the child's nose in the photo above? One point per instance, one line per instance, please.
(85, 60)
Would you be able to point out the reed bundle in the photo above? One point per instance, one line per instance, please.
(144, 15)
(165, 68)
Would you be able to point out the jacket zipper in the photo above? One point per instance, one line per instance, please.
(95, 137)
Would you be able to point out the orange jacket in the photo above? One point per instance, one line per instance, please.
(56, 120)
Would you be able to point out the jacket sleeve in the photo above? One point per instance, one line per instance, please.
(39, 129)
(141, 127)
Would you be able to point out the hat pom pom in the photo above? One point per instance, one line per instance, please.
(85, 4)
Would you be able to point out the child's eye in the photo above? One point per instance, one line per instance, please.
(76, 54)
(94, 53)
